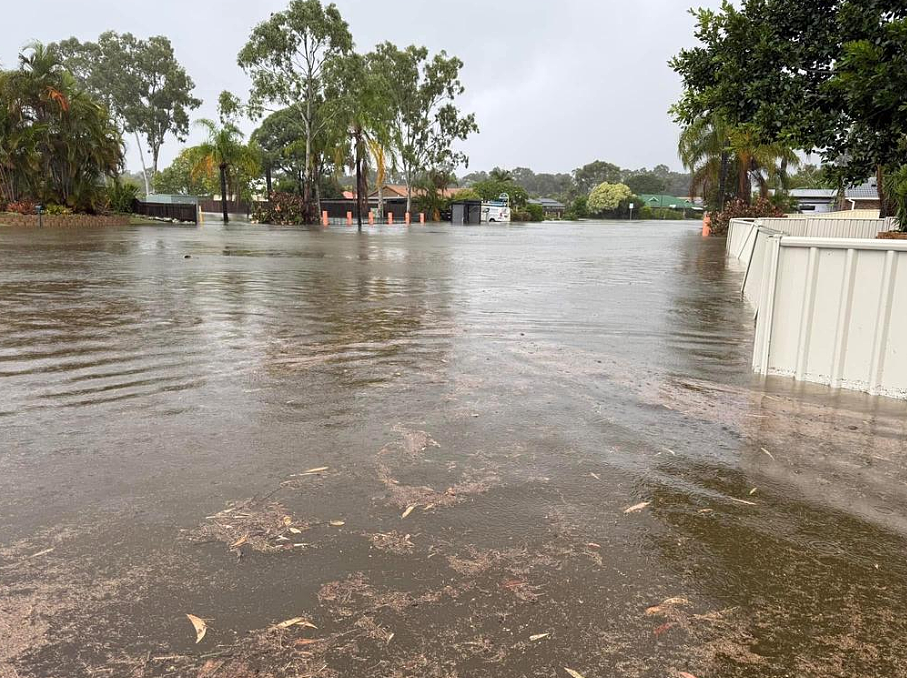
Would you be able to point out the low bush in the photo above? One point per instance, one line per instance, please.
(120, 196)
(283, 209)
(55, 209)
(21, 207)
(740, 210)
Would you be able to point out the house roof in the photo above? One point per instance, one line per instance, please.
(549, 203)
(399, 191)
(668, 201)
(817, 193)
(866, 191)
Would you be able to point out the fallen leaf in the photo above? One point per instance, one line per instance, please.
(314, 471)
(201, 627)
(574, 674)
(390, 637)
(768, 453)
(753, 491)
(637, 507)
(664, 627)
(408, 510)
(539, 636)
(595, 475)
(295, 530)
(295, 621)
(743, 501)
(307, 641)
(706, 510)
(593, 545)
(239, 542)
(338, 523)
(666, 605)
(287, 521)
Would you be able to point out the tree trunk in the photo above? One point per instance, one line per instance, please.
(268, 178)
(880, 189)
(722, 181)
(381, 200)
(361, 179)
(223, 192)
(144, 168)
(409, 191)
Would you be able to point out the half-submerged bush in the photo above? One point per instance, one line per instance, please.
(740, 210)
(283, 209)
(120, 196)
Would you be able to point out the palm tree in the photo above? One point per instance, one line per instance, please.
(500, 175)
(710, 148)
(225, 151)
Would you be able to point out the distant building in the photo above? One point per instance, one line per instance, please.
(554, 209)
(815, 200)
(670, 202)
(862, 197)
(399, 191)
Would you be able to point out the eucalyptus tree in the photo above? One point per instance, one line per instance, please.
(286, 57)
(426, 122)
(140, 81)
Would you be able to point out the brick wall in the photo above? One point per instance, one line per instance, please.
(9, 219)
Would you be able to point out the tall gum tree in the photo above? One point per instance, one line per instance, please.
(286, 57)
(425, 119)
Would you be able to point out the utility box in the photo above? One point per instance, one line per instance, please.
(466, 212)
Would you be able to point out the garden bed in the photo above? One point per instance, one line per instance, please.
(893, 235)
(55, 220)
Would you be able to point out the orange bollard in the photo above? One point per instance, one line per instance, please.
(407, 219)
(371, 218)
(390, 218)
(324, 218)
(707, 225)
(422, 218)
(349, 218)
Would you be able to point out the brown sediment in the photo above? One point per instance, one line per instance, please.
(263, 527)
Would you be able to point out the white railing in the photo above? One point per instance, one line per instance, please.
(834, 311)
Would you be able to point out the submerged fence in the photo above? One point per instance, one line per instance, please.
(830, 310)
(177, 211)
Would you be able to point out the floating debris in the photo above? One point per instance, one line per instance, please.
(637, 507)
(200, 625)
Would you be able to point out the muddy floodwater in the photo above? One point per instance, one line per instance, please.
(436, 452)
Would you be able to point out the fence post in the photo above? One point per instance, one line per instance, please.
(371, 218)
(407, 219)
(324, 218)
(390, 218)
(349, 218)
(422, 218)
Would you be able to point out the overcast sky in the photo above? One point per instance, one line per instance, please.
(554, 84)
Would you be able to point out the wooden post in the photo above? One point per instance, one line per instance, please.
(390, 218)
(349, 218)
(324, 218)
(422, 218)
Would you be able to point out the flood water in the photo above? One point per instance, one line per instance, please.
(485, 451)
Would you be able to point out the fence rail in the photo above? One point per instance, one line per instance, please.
(177, 211)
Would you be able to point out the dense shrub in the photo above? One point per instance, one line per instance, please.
(54, 209)
(740, 210)
(21, 207)
(578, 209)
(120, 196)
(284, 209)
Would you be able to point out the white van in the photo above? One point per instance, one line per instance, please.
(496, 211)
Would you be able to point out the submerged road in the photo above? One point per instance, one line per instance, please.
(429, 452)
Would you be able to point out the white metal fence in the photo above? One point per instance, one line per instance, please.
(800, 227)
(834, 311)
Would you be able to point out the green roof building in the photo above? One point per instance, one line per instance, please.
(668, 202)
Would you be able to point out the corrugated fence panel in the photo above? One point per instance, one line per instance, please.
(834, 312)
(805, 227)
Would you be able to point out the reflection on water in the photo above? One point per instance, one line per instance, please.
(555, 375)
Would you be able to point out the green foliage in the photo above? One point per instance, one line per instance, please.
(57, 144)
(595, 173)
(828, 77)
(896, 188)
(738, 209)
(578, 209)
(467, 194)
(492, 190)
(179, 178)
(54, 209)
(225, 155)
(607, 197)
(120, 196)
(287, 57)
(140, 81)
(425, 120)
(536, 212)
(647, 183)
